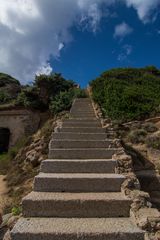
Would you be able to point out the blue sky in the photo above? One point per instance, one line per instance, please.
(78, 38)
(92, 53)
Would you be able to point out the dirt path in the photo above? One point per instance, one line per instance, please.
(3, 193)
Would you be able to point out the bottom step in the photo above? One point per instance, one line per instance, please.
(73, 228)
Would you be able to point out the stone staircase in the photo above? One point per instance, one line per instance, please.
(77, 194)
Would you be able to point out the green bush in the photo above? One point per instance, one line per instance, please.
(45, 90)
(50, 86)
(29, 98)
(80, 93)
(128, 93)
(4, 97)
(7, 79)
(137, 136)
(16, 210)
(61, 102)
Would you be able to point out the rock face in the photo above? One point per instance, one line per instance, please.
(78, 194)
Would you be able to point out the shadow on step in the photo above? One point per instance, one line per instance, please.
(146, 174)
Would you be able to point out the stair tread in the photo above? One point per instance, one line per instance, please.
(76, 226)
(81, 175)
(79, 160)
(86, 149)
(108, 196)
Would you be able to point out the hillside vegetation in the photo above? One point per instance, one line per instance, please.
(128, 93)
(9, 88)
(53, 93)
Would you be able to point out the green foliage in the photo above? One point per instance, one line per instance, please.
(80, 93)
(29, 98)
(137, 136)
(16, 210)
(4, 97)
(6, 79)
(128, 93)
(44, 91)
(62, 102)
(50, 86)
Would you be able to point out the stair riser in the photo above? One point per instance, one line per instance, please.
(81, 166)
(82, 130)
(76, 208)
(85, 115)
(81, 120)
(71, 236)
(81, 154)
(78, 111)
(77, 136)
(83, 124)
(77, 185)
(82, 109)
(79, 144)
(84, 118)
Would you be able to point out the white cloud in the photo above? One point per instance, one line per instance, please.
(125, 52)
(122, 30)
(61, 46)
(46, 69)
(146, 9)
(31, 31)
(34, 30)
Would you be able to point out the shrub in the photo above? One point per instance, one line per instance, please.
(4, 97)
(7, 79)
(80, 93)
(61, 102)
(16, 210)
(29, 98)
(137, 136)
(50, 86)
(44, 91)
(128, 93)
(153, 141)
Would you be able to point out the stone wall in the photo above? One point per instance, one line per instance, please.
(20, 123)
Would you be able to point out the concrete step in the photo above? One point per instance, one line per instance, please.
(78, 166)
(83, 115)
(82, 153)
(81, 124)
(83, 118)
(78, 182)
(83, 129)
(94, 121)
(80, 144)
(82, 109)
(40, 204)
(79, 136)
(76, 228)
